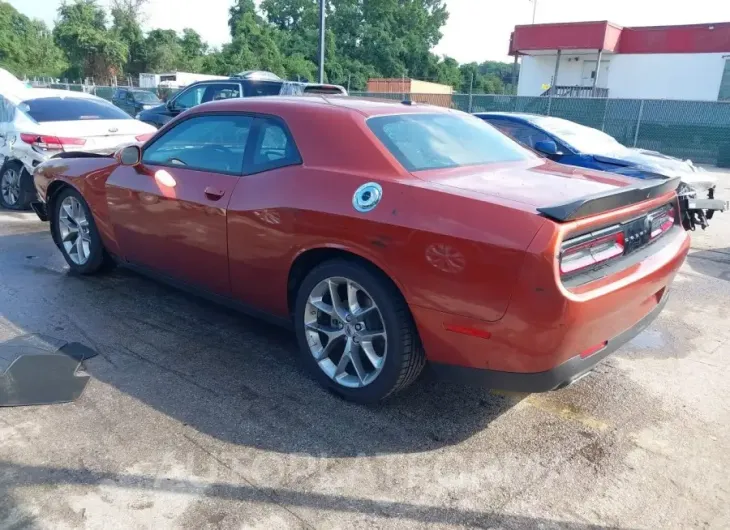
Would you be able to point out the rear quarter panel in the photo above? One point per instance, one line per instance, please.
(444, 251)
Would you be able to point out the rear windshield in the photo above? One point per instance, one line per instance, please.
(436, 141)
(146, 97)
(71, 109)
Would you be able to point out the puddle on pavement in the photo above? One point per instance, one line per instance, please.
(650, 339)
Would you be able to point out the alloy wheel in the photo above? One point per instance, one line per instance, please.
(345, 332)
(73, 228)
(10, 186)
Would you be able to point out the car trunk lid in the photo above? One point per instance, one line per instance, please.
(99, 135)
(535, 185)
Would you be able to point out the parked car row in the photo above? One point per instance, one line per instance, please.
(38, 124)
(244, 85)
(387, 235)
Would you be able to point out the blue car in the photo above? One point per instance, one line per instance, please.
(577, 145)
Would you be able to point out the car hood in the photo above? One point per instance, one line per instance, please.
(533, 184)
(660, 164)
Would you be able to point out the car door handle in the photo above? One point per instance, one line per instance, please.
(214, 194)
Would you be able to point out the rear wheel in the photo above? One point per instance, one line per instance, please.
(14, 194)
(356, 332)
(76, 233)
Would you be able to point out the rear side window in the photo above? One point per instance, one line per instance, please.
(261, 88)
(436, 141)
(206, 143)
(71, 109)
(274, 148)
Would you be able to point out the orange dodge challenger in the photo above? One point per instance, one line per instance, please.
(388, 235)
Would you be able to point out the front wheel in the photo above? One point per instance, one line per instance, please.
(356, 333)
(76, 234)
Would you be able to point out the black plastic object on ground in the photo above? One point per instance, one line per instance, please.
(40, 370)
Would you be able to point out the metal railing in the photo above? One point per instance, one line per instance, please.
(565, 91)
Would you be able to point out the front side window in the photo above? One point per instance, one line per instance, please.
(275, 147)
(71, 109)
(584, 139)
(192, 97)
(525, 134)
(436, 141)
(206, 93)
(146, 97)
(207, 143)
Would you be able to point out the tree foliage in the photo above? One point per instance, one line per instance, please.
(364, 39)
(26, 46)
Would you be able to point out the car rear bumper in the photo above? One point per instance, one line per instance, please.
(558, 377)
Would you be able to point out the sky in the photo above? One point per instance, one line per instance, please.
(477, 30)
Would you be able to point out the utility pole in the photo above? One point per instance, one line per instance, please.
(534, 10)
(471, 91)
(321, 41)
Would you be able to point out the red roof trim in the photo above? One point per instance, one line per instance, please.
(690, 38)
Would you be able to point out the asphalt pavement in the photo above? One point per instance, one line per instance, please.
(199, 417)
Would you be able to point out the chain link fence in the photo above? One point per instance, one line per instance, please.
(697, 130)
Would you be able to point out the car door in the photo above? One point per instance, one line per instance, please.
(261, 219)
(130, 105)
(168, 213)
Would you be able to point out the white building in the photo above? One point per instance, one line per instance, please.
(602, 59)
(174, 79)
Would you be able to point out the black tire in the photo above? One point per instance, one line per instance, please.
(98, 260)
(404, 356)
(25, 193)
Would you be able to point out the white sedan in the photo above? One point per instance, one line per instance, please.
(37, 124)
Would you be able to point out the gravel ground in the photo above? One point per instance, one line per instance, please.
(199, 417)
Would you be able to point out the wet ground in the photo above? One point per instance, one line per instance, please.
(199, 417)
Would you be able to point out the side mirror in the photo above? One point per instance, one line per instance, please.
(547, 148)
(130, 155)
(170, 104)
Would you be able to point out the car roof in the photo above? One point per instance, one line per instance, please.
(364, 106)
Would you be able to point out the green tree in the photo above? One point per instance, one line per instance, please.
(26, 46)
(254, 44)
(194, 50)
(91, 49)
(127, 27)
(162, 51)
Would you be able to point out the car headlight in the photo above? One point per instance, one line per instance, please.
(137, 117)
(145, 107)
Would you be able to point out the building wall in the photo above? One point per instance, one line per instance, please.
(536, 71)
(424, 87)
(694, 76)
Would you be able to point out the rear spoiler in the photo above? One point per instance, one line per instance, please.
(610, 200)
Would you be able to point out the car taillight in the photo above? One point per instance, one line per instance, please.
(50, 143)
(583, 255)
(144, 137)
(663, 221)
